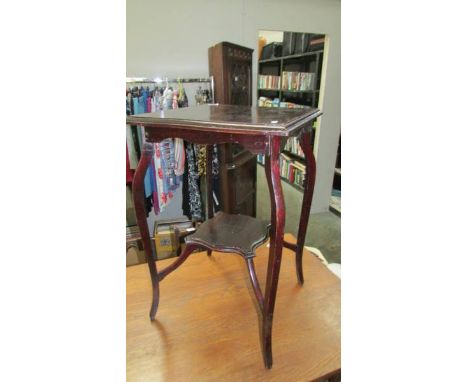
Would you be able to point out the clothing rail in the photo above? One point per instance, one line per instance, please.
(158, 80)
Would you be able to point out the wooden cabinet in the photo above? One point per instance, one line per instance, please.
(231, 67)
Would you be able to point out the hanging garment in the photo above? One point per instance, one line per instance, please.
(175, 104)
(193, 186)
(155, 187)
(200, 155)
(144, 97)
(148, 105)
(167, 96)
(165, 172)
(179, 155)
(182, 98)
(159, 176)
(136, 107)
(147, 182)
(216, 180)
(168, 159)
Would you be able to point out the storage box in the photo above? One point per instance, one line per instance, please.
(166, 244)
(168, 236)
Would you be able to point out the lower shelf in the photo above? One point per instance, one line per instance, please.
(231, 233)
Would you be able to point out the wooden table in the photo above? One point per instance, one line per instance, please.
(260, 130)
(207, 326)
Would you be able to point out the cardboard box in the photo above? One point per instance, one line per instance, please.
(168, 236)
(166, 244)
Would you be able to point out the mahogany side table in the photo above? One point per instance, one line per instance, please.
(260, 130)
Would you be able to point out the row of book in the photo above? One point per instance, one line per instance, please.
(293, 146)
(298, 81)
(275, 102)
(268, 82)
(290, 169)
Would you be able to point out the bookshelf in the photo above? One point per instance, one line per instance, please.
(291, 81)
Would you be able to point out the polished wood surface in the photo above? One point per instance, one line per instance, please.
(206, 328)
(232, 118)
(272, 171)
(239, 124)
(309, 183)
(139, 203)
(231, 67)
(231, 233)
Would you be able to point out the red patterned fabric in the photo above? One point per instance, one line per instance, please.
(129, 171)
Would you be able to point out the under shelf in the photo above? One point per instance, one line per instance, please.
(231, 233)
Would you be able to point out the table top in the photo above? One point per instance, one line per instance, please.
(206, 328)
(240, 119)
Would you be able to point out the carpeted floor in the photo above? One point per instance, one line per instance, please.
(324, 230)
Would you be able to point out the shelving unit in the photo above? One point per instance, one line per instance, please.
(310, 62)
(297, 187)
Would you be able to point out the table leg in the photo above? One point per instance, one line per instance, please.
(189, 248)
(139, 202)
(272, 171)
(309, 182)
(209, 185)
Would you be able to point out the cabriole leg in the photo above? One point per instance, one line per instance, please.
(272, 171)
(309, 181)
(209, 184)
(139, 203)
(189, 248)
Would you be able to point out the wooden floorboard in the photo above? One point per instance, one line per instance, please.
(206, 328)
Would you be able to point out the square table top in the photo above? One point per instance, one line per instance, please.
(231, 118)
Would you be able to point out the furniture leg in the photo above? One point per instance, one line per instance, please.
(272, 171)
(139, 203)
(309, 182)
(177, 263)
(255, 284)
(209, 184)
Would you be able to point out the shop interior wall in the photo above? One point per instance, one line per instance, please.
(171, 39)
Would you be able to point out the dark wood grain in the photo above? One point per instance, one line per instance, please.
(272, 171)
(209, 184)
(232, 118)
(178, 262)
(309, 182)
(254, 143)
(254, 129)
(255, 285)
(231, 233)
(139, 203)
(231, 67)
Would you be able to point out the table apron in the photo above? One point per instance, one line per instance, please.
(254, 143)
